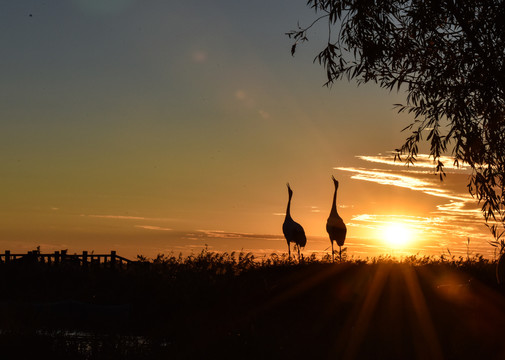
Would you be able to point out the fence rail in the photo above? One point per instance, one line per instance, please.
(62, 256)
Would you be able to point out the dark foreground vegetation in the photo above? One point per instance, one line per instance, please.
(233, 306)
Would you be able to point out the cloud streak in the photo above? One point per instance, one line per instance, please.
(236, 235)
(127, 217)
(117, 217)
(152, 227)
(423, 160)
(387, 177)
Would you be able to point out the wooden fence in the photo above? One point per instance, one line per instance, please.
(62, 256)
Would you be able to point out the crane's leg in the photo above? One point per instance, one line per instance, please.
(340, 253)
(289, 251)
(298, 253)
(332, 252)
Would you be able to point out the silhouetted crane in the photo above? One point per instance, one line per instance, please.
(293, 232)
(335, 225)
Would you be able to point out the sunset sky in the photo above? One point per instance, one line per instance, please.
(160, 126)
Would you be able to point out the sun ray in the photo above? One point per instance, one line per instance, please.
(366, 311)
(423, 317)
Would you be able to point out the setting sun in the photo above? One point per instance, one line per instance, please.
(397, 235)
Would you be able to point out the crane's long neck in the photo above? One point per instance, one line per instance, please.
(288, 213)
(334, 205)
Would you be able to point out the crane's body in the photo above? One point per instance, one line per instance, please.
(335, 226)
(293, 232)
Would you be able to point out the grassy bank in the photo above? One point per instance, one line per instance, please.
(232, 305)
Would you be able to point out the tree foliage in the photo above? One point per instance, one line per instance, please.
(448, 57)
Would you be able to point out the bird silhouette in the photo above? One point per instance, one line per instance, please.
(335, 225)
(293, 232)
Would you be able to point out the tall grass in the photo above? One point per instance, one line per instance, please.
(226, 305)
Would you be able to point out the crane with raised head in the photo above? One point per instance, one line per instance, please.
(335, 225)
(293, 232)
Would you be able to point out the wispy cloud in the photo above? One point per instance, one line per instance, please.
(387, 177)
(417, 221)
(237, 235)
(461, 208)
(151, 227)
(127, 217)
(384, 177)
(118, 217)
(423, 160)
(416, 181)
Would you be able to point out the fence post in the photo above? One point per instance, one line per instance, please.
(112, 258)
(7, 256)
(85, 258)
(63, 255)
(56, 257)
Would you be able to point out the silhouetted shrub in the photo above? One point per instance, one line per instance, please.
(224, 304)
